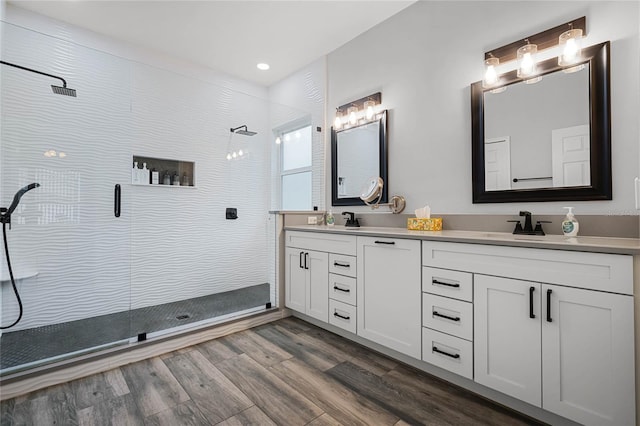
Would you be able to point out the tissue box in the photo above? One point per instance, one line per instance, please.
(421, 224)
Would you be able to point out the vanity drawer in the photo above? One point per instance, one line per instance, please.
(342, 315)
(327, 242)
(448, 315)
(448, 352)
(342, 289)
(445, 282)
(341, 264)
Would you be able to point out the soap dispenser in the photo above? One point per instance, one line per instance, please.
(570, 225)
(330, 219)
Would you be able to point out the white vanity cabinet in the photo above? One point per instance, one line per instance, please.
(307, 269)
(552, 328)
(389, 293)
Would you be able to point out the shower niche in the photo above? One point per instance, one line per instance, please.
(176, 173)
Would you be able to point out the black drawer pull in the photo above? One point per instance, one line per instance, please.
(116, 200)
(434, 281)
(306, 257)
(438, 314)
(335, 287)
(386, 242)
(335, 314)
(531, 290)
(344, 265)
(455, 356)
(301, 265)
(549, 291)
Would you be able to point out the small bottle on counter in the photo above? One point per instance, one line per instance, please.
(330, 219)
(570, 225)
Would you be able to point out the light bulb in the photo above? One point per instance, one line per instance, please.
(240, 153)
(234, 154)
(278, 141)
(337, 123)
(369, 109)
(490, 74)
(228, 156)
(570, 42)
(353, 119)
(527, 60)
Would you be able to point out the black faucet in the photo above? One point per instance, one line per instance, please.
(528, 227)
(351, 220)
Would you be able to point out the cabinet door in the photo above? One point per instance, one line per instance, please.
(389, 293)
(507, 345)
(295, 280)
(317, 303)
(588, 366)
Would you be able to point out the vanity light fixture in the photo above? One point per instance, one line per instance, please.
(357, 112)
(565, 39)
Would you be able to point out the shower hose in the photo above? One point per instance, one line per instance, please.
(13, 281)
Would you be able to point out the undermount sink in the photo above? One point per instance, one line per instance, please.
(525, 237)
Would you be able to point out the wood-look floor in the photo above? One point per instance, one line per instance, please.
(286, 373)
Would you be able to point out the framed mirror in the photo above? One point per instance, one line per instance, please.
(548, 141)
(358, 153)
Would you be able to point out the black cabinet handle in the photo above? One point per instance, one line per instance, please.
(116, 200)
(438, 314)
(335, 287)
(386, 242)
(306, 264)
(531, 290)
(455, 356)
(344, 265)
(435, 281)
(335, 314)
(549, 291)
(300, 256)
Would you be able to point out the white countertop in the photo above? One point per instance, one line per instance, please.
(557, 242)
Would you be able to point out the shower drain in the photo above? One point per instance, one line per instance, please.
(181, 317)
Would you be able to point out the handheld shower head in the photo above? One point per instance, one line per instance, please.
(245, 132)
(18, 196)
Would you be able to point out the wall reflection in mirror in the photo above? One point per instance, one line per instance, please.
(537, 135)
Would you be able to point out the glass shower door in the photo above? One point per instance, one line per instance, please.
(69, 240)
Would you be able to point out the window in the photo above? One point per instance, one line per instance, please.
(296, 169)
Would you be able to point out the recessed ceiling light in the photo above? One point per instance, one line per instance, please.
(262, 66)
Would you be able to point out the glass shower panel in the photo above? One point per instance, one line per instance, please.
(69, 250)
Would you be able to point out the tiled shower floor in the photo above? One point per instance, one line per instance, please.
(34, 344)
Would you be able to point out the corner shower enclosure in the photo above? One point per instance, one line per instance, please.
(90, 276)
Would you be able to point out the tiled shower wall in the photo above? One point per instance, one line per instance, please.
(170, 243)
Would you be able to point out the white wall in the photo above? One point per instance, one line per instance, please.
(301, 96)
(423, 60)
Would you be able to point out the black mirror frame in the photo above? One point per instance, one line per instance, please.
(382, 145)
(600, 134)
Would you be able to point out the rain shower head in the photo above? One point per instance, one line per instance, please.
(64, 90)
(245, 132)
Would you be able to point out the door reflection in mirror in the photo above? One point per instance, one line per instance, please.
(537, 135)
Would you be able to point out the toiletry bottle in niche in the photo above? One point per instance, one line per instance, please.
(155, 177)
(330, 219)
(570, 225)
(166, 179)
(176, 179)
(144, 174)
(135, 177)
(185, 180)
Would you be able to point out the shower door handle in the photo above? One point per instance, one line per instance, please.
(116, 200)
